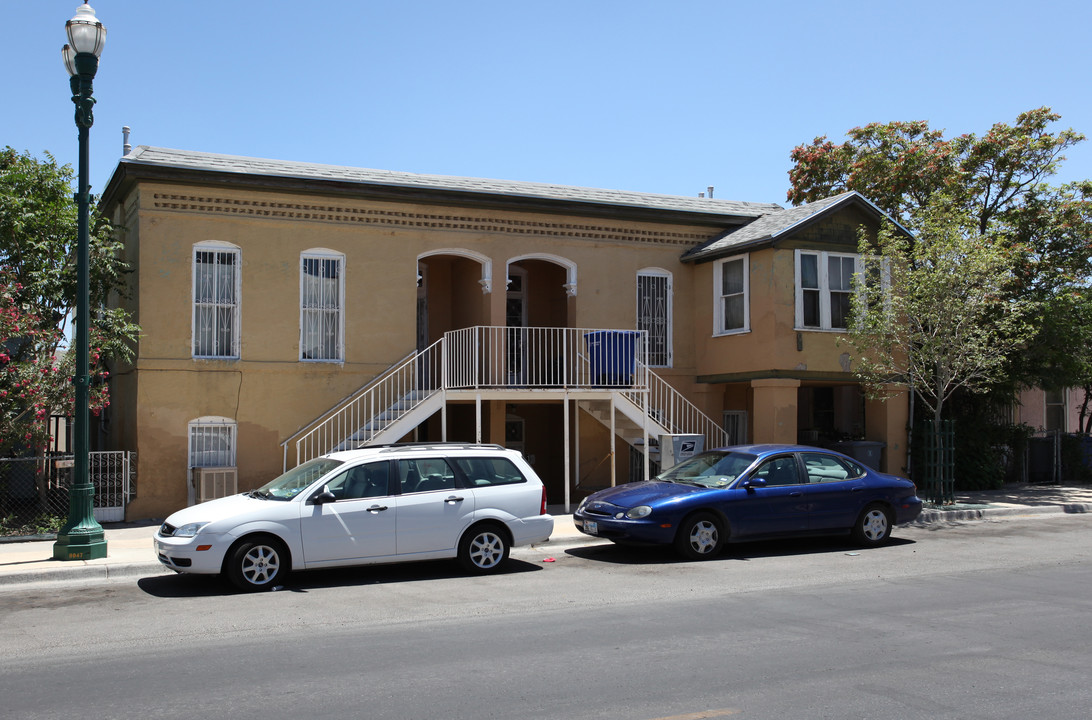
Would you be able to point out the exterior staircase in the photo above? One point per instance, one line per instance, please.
(543, 363)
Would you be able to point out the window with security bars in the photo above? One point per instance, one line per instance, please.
(215, 302)
(654, 316)
(212, 442)
(321, 297)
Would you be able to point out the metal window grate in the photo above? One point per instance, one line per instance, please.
(216, 303)
(320, 308)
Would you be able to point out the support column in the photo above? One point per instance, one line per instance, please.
(775, 401)
(886, 421)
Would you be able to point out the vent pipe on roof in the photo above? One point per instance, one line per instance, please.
(710, 191)
(126, 148)
(701, 194)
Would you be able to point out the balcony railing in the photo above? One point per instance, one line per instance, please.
(536, 357)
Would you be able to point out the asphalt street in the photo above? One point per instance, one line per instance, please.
(955, 620)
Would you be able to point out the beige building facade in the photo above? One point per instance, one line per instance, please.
(290, 308)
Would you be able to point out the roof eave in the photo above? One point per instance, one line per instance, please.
(129, 171)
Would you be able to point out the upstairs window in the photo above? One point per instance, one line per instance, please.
(731, 296)
(824, 288)
(322, 292)
(216, 282)
(1055, 411)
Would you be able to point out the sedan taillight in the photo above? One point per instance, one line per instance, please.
(542, 510)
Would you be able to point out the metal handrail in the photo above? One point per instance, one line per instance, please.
(376, 406)
(672, 410)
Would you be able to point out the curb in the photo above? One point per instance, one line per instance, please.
(955, 515)
(84, 573)
(112, 571)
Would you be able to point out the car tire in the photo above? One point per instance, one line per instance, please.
(700, 537)
(257, 564)
(873, 527)
(483, 549)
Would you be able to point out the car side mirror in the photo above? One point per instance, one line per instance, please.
(323, 497)
(751, 483)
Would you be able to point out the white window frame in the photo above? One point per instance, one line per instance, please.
(221, 427)
(719, 318)
(219, 309)
(824, 290)
(337, 296)
(1062, 407)
(669, 299)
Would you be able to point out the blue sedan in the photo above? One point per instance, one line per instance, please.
(750, 492)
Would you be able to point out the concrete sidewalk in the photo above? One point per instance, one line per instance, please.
(129, 545)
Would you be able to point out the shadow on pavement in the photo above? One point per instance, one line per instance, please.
(746, 551)
(189, 586)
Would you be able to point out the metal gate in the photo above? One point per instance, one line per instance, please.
(30, 487)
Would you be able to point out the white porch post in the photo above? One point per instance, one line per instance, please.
(568, 469)
(613, 437)
(648, 462)
(478, 418)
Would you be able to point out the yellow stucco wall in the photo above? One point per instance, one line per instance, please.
(268, 391)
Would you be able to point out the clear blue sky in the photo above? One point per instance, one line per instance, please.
(666, 97)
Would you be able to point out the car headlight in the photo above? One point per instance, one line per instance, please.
(190, 530)
(638, 512)
(580, 507)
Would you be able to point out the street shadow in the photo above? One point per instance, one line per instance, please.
(743, 551)
(189, 586)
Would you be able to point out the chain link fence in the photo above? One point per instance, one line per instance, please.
(34, 491)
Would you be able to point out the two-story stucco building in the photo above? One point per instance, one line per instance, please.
(291, 308)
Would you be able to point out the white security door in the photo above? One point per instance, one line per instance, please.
(654, 316)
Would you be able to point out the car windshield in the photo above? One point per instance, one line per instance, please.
(292, 483)
(712, 469)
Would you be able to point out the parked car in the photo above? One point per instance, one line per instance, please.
(751, 492)
(377, 504)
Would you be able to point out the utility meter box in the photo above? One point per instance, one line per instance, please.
(676, 448)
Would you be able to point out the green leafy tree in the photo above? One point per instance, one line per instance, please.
(998, 182)
(38, 294)
(937, 313)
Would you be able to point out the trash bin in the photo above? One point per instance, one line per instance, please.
(612, 356)
(864, 451)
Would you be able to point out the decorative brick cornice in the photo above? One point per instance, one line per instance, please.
(340, 214)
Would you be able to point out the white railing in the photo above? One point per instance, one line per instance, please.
(673, 411)
(535, 357)
(374, 407)
(505, 358)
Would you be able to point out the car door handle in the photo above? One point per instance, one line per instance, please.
(377, 508)
(795, 494)
(453, 499)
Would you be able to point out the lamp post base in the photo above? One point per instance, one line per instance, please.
(81, 538)
(80, 544)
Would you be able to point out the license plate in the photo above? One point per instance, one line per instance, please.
(591, 527)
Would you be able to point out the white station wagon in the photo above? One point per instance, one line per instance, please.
(378, 504)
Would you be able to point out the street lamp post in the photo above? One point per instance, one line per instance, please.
(82, 537)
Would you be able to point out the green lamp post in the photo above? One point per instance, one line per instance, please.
(82, 537)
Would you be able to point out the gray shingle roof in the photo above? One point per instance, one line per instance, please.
(211, 162)
(776, 224)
